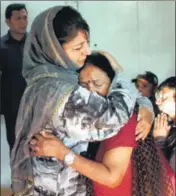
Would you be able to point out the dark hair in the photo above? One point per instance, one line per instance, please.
(14, 7)
(67, 23)
(101, 62)
(169, 82)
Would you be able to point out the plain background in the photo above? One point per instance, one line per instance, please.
(140, 34)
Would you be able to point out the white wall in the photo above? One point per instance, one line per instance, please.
(140, 34)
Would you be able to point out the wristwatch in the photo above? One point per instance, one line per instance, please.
(69, 158)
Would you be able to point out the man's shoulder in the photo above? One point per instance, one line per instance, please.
(4, 38)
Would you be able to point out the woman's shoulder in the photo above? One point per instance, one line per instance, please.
(130, 126)
(126, 136)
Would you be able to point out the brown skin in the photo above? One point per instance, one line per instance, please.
(18, 23)
(111, 170)
(144, 87)
(90, 79)
(166, 100)
(109, 173)
(144, 124)
(161, 127)
(78, 48)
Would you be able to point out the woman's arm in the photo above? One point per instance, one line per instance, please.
(88, 116)
(145, 120)
(109, 172)
(146, 103)
(112, 169)
(91, 117)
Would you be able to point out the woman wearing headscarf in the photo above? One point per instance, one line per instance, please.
(56, 47)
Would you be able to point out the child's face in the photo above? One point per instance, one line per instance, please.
(94, 79)
(166, 100)
(144, 87)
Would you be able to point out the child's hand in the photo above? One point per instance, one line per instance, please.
(161, 127)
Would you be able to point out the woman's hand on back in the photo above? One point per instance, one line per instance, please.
(145, 120)
(45, 144)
